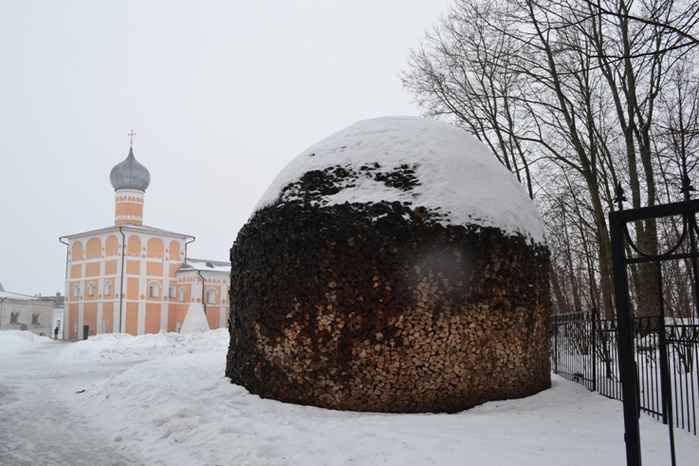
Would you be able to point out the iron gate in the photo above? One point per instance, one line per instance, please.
(628, 256)
(584, 350)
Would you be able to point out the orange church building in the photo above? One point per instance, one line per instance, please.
(136, 279)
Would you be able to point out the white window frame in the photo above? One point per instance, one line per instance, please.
(153, 290)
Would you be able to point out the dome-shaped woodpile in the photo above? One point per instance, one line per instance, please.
(371, 277)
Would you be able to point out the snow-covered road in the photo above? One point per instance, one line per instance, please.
(36, 427)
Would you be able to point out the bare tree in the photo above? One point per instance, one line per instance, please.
(469, 73)
(564, 90)
(687, 22)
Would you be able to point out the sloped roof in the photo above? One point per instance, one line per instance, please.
(205, 265)
(129, 227)
(8, 295)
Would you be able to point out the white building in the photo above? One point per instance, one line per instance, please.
(31, 313)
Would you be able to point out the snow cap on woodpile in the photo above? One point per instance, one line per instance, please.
(418, 162)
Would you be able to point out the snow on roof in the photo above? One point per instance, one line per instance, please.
(17, 296)
(457, 175)
(132, 227)
(205, 265)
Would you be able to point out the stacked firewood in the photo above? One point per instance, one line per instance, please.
(383, 307)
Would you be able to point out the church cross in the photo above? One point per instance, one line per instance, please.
(131, 135)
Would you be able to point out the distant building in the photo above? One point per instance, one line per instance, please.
(136, 279)
(31, 313)
(58, 320)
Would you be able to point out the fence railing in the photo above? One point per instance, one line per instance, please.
(584, 350)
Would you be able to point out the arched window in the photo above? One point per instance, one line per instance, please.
(173, 291)
(182, 295)
(77, 251)
(174, 250)
(153, 290)
(210, 296)
(93, 249)
(107, 289)
(111, 246)
(91, 289)
(76, 291)
(133, 246)
(155, 247)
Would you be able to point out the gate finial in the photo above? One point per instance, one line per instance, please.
(686, 187)
(619, 197)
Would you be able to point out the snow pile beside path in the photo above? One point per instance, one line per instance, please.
(16, 340)
(195, 320)
(117, 346)
(181, 410)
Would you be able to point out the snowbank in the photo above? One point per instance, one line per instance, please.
(16, 340)
(195, 320)
(120, 346)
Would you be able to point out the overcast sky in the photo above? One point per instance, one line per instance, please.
(221, 95)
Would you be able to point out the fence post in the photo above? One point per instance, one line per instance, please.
(555, 344)
(594, 349)
(629, 383)
(665, 385)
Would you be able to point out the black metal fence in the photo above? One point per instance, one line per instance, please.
(584, 350)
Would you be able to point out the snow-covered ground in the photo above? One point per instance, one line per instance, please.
(163, 399)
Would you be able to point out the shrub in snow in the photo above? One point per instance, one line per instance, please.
(394, 266)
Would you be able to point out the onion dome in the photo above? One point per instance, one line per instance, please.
(130, 174)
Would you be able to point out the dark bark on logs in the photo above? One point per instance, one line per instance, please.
(377, 307)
